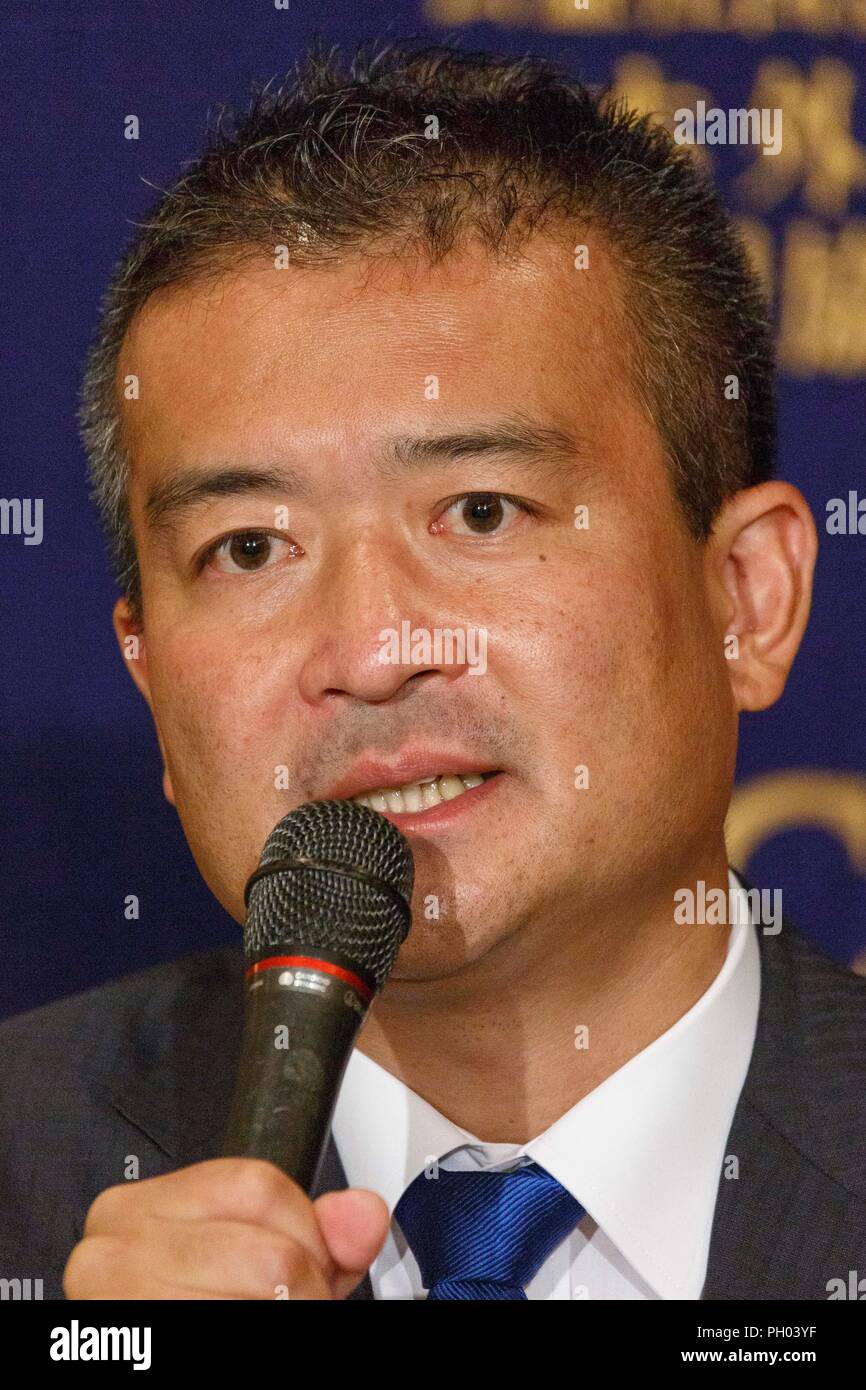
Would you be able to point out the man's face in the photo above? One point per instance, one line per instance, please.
(267, 665)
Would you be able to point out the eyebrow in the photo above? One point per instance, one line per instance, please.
(517, 437)
(514, 438)
(187, 487)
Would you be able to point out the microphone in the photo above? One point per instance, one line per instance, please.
(328, 909)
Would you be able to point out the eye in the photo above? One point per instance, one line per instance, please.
(245, 552)
(483, 513)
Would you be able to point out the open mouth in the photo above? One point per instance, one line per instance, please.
(423, 795)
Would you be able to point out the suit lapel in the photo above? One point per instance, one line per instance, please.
(177, 1074)
(782, 1225)
(779, 1225)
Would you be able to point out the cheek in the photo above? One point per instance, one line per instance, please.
(573, 639)
(611, 659)
(213, 707)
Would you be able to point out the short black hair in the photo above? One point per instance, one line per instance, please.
(339, 157)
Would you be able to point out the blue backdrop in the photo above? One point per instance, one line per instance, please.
(84, 821)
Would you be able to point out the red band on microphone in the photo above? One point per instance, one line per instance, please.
(313, 963)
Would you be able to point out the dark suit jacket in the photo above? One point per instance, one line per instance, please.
(145, 1066)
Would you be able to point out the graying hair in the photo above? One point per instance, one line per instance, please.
(336, 159)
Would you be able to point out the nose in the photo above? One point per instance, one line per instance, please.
(373, 635)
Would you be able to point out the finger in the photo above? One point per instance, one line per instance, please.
(354, 1224)
(246, 1190)
(224, 1259)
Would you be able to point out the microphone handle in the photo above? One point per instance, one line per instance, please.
(300, 1025)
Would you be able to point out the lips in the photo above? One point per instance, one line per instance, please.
(373, 775)
(413, 797)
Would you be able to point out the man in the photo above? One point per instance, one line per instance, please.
(448, 341)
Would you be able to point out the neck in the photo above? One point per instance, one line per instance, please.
(508, 1045)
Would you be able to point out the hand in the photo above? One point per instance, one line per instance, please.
(230, 1228)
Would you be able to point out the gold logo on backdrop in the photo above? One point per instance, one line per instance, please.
(818, 273)
(822, 318)
(751, 17)
(818, 151)
(796, 797)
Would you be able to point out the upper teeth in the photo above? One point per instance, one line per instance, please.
(417, 796)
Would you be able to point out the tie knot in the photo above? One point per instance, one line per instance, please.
(481, 1234)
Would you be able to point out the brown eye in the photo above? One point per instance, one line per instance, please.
(483, 513)
(248, 551)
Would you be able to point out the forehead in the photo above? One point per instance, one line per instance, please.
(335, 357)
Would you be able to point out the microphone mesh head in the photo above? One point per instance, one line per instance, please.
(362, 918)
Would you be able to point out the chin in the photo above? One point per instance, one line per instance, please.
(437, 950)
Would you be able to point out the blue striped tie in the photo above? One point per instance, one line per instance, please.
(483, 1235)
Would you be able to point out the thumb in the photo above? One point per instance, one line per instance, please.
(354, 1224)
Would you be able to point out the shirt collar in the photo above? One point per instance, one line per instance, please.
(643, 1152)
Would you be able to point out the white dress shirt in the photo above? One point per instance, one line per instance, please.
(642, 1153)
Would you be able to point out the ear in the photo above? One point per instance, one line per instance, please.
(761, 558)
(129, 631)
